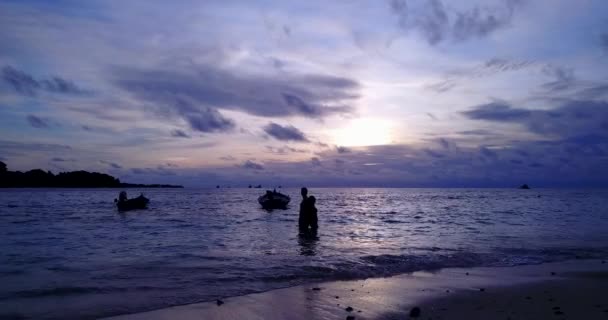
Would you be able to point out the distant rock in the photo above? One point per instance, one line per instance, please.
(524, 186)
(219, 302)
(39, 178)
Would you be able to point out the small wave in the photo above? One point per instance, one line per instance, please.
(392, 221)
(24, 221)
(65, 291)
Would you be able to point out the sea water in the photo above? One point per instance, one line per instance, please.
(68, 253)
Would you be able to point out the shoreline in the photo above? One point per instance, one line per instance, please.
(478, 293)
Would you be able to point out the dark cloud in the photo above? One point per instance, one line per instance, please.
(433, 21)
(198, 90)
(285, 133)
(315, 161)
(32, 146)
(563, 78)
(437, 24)
(486, 152)
(111, 164)
(26, 84)
(207, 120)
(488, 68)
(228, 158)
(179, 134)
(433, 154)
(476, 132)
(342, 149)
(37, 122)
(594, 91)
(503, 65)
(57, 159)
(584, 120)
(496, 111)
(252, 165)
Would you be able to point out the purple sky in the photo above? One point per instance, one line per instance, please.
(414, 93)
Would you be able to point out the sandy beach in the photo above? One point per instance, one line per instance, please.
(566, 290)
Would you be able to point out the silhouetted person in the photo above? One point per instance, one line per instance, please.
(308, 212)
(122, 196)
(313, 220)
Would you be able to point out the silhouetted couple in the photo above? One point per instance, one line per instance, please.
(308, 213)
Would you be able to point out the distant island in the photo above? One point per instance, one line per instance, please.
(39, 178)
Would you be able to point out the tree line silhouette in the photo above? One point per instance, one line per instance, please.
(39, 178)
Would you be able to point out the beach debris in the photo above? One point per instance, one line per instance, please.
(415, 312)
(558, 312)
(337, 297)
(219, 302)
(603, 261)
(467, 273)
(556, 308)
(316, 289)
(350, 317)
(552, 273)
(482, 289)
(528, 298)
(447, 291)
(349, 309)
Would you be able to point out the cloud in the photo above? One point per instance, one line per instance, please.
(203, 89)
(488, 68)
(563, 78)
(252, 165)
(111, 164)
(57, 159)
(179, 134)
(585, 120)
(342, 149)
(285, 133)
(496, 111)
(37, 122)
(436, 23)
(207, 120)
(284, 150)
(26, 84)
(315, 161)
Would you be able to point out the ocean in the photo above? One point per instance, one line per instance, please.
(68, 253)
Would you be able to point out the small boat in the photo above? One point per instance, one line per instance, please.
(140, 202)
(274, 200)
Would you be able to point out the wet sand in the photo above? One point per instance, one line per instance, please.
(566, 290)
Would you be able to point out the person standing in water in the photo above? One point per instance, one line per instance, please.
(308, 212)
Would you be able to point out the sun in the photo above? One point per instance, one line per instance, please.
(363, 132)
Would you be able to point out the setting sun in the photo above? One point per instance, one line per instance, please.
(364, 132)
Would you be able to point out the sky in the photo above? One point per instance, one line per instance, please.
(395, 93)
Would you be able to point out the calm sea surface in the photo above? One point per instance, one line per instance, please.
(67, 253)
